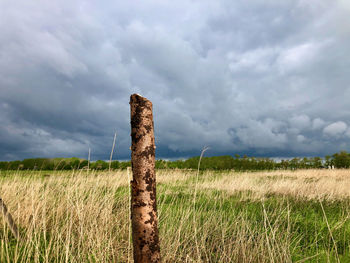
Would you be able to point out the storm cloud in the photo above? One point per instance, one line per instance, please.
(266, 78)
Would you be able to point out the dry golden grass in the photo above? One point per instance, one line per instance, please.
(71, 208)
(84, 216)
(309, 184)
(80, 211)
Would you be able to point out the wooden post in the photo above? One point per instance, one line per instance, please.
(9, 219)
(143, 186)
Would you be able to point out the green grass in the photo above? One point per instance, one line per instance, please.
(299, 222)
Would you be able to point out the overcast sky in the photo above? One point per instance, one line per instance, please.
(263, 78)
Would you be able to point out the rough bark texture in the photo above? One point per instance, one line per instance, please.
(143, 186)
(9, 219)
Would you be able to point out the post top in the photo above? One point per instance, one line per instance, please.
(137, 95)
(139, 99)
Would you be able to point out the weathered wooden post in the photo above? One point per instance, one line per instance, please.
(143, 186)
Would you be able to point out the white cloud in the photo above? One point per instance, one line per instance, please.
(318, 123)
(260, 135)
(300, 122)
(299, 56)
(259, 60)
(335, 129)
(301, 138)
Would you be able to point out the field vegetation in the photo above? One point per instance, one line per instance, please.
(216, 216)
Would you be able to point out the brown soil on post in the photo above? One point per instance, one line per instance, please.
(143, 186)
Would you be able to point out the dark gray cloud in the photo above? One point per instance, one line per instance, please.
(266, 78)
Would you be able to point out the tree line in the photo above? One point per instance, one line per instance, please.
(61, 164)
(245, 163)
(227, 162)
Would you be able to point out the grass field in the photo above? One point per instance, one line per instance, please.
(280, 216)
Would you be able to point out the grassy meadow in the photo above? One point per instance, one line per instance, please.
(83, 216)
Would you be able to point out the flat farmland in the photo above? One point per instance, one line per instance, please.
(83, 216)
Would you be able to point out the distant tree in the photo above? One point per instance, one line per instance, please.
(328, 161)
(115, 164)
(14, 165)
(4, 165)
(316, 163)
(99, 165)
(74, 163)
(294, 163)
(341, 159)
(125, 164)
(29, 164)
(161, 164)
